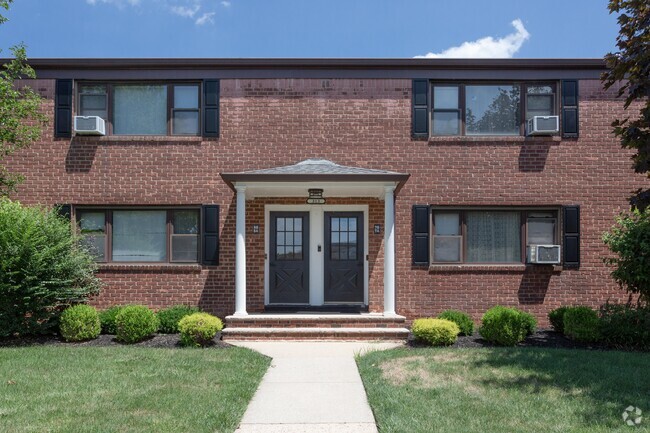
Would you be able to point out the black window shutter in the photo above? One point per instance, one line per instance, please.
(570, 120)
(63, 109)
(420, 234)
(210, 108)
(571, 217)
(420, 112)
(210, 235)
(64, 210)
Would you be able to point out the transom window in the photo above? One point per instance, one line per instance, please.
(490, 236)
(488, 109)
(143, 108)
(137, 235)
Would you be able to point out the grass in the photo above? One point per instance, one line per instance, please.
(505, 390)
(126, 389)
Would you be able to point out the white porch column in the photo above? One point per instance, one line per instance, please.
(389, 251)
(240, 253)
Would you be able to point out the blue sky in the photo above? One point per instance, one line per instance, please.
(310, 28)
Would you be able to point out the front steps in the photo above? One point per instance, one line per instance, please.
(364, 326)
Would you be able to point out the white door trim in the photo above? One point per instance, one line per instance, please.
(316, 238)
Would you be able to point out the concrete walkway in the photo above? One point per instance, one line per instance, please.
(310, 387)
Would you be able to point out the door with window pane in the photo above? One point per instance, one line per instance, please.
(289, 258)
(344, 256)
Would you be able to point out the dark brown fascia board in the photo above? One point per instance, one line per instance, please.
(231, 178)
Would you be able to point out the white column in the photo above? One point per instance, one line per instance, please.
(389, 251)
(240, 253)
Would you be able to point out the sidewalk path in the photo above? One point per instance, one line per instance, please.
(310, 387)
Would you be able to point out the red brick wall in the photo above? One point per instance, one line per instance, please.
(365, 123)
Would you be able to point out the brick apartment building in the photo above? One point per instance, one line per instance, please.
(395, 187)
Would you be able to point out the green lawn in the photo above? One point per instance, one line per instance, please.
(126, 389)
(505, 390)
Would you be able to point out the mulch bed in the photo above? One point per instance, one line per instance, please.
(545, 338)
(163, 341)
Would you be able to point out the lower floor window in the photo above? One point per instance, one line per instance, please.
(489, 236)
(137, 235)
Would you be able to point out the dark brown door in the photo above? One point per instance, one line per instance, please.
(289, 258)
(344, 257)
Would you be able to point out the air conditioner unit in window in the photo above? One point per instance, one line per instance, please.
(544, 254)
(543, 125)
(89, 125)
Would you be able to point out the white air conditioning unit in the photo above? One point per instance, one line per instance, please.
(89, 125)
(543, 125)
(544, 254)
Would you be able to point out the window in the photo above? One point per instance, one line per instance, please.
(143, 109)
(141, 236)
(488, 109)
(489, 236)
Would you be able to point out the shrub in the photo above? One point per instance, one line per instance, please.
(437, 332)
(625, 327)
(629, 239)
(505, 326)
(464, 322)
(199, 329)
(42, 270)
(135, 323)
(556, 317)
(107, 319)
(169, 317)
(79, 323)
(582, 324)
(530, 322)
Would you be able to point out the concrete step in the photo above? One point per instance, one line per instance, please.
(321, 320)
(314, 333)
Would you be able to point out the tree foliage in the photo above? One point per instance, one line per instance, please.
(629, 239)
(20, 116)
(630, 67)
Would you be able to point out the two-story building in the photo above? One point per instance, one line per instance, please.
(373, 190)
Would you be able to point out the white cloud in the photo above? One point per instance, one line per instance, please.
(487, 47)
(225, 4)
(185, 11)
(207, 17)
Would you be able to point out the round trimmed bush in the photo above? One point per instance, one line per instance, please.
(461, 319)
(530, 321)
(79, 323)
(625, 326)
(504, 326)
(199, 329)
(556, 317)
(582, 324)
(169, 317)
(437, 332)
(107, 319)
(135, 323)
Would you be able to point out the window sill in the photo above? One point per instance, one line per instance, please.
(516, 267)
(514, 139)
(138, 138)
(187, 268)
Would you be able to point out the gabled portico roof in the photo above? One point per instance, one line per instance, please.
(315, 173)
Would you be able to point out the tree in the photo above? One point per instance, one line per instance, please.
(20, 116)
(630, 67)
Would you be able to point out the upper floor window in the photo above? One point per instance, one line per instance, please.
(143, 109)
(488, 109)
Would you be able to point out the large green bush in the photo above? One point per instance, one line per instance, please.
(530, 322)
(625, 327)
(437, 332)
(80, 323)
(629, 239)
(505, 326)
(107, 319)
(42, 269)
(582, 324)
(556, 317)
(169, 317)
(199, 329)
(461, 319)
(135, 323)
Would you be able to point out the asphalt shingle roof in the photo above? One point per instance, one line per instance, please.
(318, 166)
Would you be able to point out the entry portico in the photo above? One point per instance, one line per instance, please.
(316, 251)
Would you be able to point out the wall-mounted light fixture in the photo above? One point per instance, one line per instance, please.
(315, 196)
